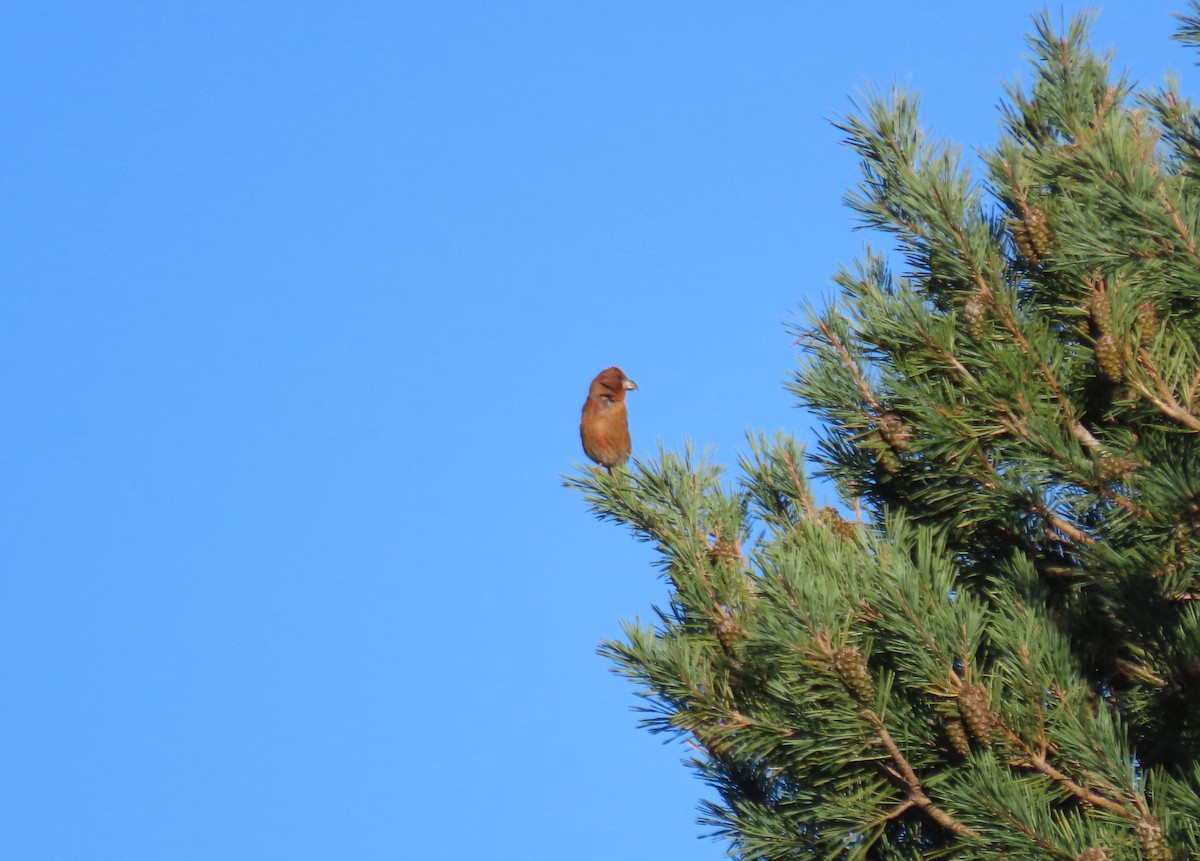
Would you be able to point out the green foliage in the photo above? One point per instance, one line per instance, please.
(999, 655)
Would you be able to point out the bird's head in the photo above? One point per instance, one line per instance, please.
(612, 383)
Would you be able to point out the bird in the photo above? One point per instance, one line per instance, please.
(604, 426)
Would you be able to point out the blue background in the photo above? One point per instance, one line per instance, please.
(300, 302)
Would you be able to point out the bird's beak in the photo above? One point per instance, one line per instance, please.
(628, 384)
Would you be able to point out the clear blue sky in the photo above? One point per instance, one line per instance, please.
(300, 303)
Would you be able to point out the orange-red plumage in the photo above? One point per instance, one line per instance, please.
(604, 427)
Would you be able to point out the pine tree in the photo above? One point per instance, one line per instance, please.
(997, 655)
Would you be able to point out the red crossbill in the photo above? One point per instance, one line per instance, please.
(604, 427)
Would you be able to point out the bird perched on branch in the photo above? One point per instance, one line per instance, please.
(604, 427)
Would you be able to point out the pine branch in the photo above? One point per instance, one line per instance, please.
(1016, 412)
(1162, 397)
(900, 771)
(1038, 761)
(911, 784)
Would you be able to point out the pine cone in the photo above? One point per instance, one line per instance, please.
(1038, 229)
(1093, 854)
(1100, 309)
(850, 665)
(725, 549)
(895, 432)
(1112, 468)
(1147, 323)
(1021, 238)
(888, 461)
(729, 634)
(1108, 357)
(838, 525)
(973, 706)
(1150, 836)
(975, 318)
(956, 732)
(1031, 234)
